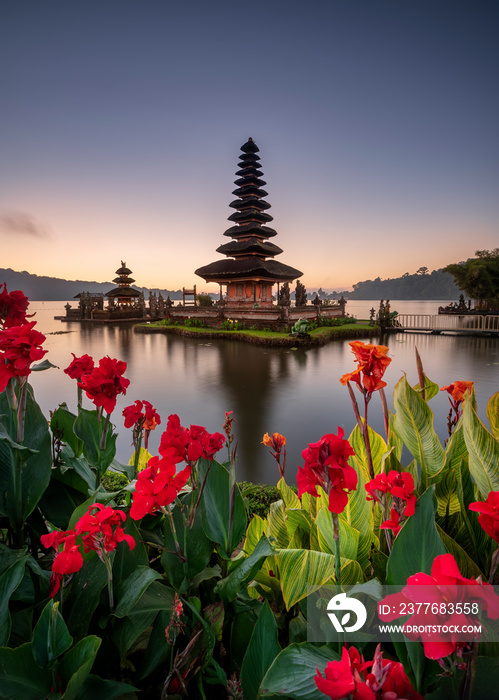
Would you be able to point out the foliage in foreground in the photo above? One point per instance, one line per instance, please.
(176, 593)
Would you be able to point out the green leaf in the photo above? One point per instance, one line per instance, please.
(10, 578)
(483, 449)
(131, 589)
(276, 523)
(195, 545)
(62, 424)
(493, 414)
(229, 587)
(24, 471)
(20, 677)
(215, 510)
(413, 423)
(301, 571)
(378, 449)
(349, 537)
(51, 637)
(291, 676)
(261, 652)
(144, 457)
(254, 534)
(101, 689)
(155, 599)
(40, 366)
(88, 428)
(289, 497)
(86, 588)
(417, 544)
(465, 563)
(76, 665)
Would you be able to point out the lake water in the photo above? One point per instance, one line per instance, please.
(294, 392)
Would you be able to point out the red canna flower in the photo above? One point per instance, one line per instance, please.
(79, 366)
(143, 417)
(393, 523)
(102, 530)
(179, 444)
(445, 588)
(489, 514)
(19, 347)
(13, 307)
(338, 681)
(68, 561)
(105, 382)
(350, 678)
(326, 465)
(157, 486)
(400, 485)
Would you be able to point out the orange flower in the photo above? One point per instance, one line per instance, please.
(277, 441)
(457, 390)
(372, 363)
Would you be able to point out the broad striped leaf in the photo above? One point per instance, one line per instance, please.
(301, 571)
(471, 536)
(483, 449)
(493, 414)
(297, 518)
(276, 523)
(254, 534)
(413, 423)
(377, 444)
(349, 537)
(289, 497)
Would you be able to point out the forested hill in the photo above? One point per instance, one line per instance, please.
(55, 289)
(422, 285)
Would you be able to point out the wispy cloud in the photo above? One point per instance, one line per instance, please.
(21, 224)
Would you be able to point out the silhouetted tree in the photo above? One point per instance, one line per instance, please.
(479, 277)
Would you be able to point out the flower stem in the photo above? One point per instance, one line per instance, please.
(336, 536)
(21, 411)
(136, 455)
(385, 410)
(109, 569)
(11, 394)
(103, 437)
(493, 565)
(365, 432)
(180, 554)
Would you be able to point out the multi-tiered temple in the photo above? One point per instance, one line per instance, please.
(123, 294)
(249, 271)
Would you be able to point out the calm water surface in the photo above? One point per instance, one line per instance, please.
(293, 392)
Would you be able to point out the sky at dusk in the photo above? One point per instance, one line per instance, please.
(122, 122)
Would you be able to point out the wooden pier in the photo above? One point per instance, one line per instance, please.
(454, 324)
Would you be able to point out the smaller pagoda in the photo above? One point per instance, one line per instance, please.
(123, 295)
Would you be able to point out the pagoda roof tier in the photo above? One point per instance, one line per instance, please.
(123, 280)
(250, 229)
(250, 146)
(251, 180)
(249, 158)
(252, 245)
(249, 215)
(249, 203)
(123, 292)
(249, 190)
(123, 270)
(250, 170)
(251, 268)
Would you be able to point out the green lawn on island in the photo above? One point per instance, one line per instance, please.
(321, 332)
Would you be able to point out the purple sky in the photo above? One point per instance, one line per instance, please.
(122, 121)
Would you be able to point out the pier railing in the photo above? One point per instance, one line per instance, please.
(463, 324)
